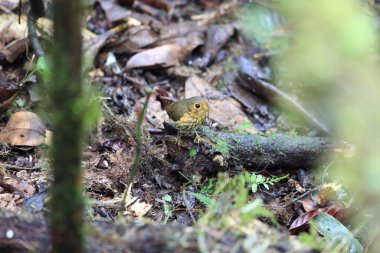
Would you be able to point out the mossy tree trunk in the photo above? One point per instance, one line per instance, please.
(65, 90)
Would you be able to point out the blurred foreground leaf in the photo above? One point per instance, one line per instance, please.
(336, 233)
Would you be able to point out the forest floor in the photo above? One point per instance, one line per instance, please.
(179, 50)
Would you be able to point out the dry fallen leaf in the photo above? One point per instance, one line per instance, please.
(159, 4)
(162, 56)
(135, 38)
(134, 206)
(302, 222)
(140, 208)
(217, 36)
(8, 93)
(21, 187)
(309, 205)
(24, 129)
(224, 110)
(155, 115)
(113, 11)
(11, 201)
(327, 193)
(11, 33)
(11, 29)
(15, 49)
(9, 4)
(187, 35)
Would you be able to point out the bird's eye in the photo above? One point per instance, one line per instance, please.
(197, 105)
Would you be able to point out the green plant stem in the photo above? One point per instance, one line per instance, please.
(65, 92)
(136, 161)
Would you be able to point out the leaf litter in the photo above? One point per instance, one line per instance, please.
(185, 50)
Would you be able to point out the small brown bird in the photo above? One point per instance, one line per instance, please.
(189, 113)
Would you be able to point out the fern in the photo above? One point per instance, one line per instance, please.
(256, 180)
(202, 198)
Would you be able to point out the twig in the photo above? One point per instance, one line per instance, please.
(133, 80)
(136, 161)
(248, 78)
(108, 203)
(187, 206)
(15, 167)
(5, 9)
(33, 37)
(37, 10)
(306, 193)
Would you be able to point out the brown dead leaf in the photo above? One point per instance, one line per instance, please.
(155, 115)
(9, 4)
(224, 110)
(184, 34)
(11, 29)
(296, 185)
(162, 56)
(222, 10)
(113, 11)
(12, 34)
(136, 38)
(21, 187)
(302, 222)
(10, 201)
(211, 3)
(189, 41)
(140, 208)
(196, 86)
(134, 206)
(8, 93)
(11, 189)
(92, 46)
(187, 35)
(24, 129)
(309, 205)
(245, 97)
(159, 4)
(14, 49)
(217, 36)
(181, 29)
(327, 193)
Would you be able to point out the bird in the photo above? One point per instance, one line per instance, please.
(188, 114)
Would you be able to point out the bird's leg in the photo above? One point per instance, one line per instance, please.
(197, 138)
(178, 138)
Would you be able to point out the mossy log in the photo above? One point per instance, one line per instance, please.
(222, 150)
(26, 232)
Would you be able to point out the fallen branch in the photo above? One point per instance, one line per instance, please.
(265, 90)
(15, 167)
(222, 150)
(31, 233)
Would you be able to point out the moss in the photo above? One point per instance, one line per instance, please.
(192, 152)
(245, 126)
(222, 147)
